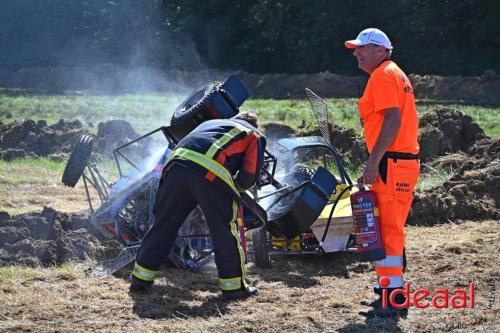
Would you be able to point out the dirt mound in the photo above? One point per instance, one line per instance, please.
(349, 144)
(346, 141)
(113, 133)
(47, 238)
(115, 79)
(276, 131)
(473, 193)
(447, 130)
(33, 139)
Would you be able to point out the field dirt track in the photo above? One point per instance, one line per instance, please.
(453, 239)
(113, 79)
(306, 294)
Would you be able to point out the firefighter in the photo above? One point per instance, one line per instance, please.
(209, 167)
(388, 115)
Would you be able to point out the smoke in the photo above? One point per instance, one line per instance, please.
(105, 47)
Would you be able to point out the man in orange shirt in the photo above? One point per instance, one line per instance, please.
(389, 118)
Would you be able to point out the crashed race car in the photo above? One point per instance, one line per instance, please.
(300, 192)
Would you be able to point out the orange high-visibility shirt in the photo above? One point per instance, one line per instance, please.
(389, 87)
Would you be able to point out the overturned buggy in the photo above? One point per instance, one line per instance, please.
(288, 199)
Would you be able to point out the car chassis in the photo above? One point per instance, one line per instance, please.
(279, 209)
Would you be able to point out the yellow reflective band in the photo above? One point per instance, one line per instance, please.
(144, 273)
(230, 284)
(211, 165)
(236, 234)
(222, 141)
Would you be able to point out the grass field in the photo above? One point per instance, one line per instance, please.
(27, 185)
(21, 179)
(298, 293)
(147, 112)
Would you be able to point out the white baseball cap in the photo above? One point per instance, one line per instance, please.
(370, 36)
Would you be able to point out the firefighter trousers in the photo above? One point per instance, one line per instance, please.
(394, 198)
(180, 190)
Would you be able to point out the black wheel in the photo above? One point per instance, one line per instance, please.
(77, 160)
(261, 248)
(195, 104)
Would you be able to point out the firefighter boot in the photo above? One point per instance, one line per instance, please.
(375, 303)
(242, 293)
(389, 310)
(139, 286)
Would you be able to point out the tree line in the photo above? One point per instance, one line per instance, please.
(263, 36)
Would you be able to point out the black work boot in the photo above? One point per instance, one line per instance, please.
(389, 310)
(242, 293)
(377, 301)
(138, 286)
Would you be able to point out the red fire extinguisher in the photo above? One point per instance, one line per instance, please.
(366, 224)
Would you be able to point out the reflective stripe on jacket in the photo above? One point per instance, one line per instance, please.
(221, 149)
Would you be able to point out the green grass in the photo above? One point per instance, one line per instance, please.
(29, 184)
(144, 112)
(149, 111)
(35, 171)
(488, 118)
(434, 178)
(298, 114)
(19, 273)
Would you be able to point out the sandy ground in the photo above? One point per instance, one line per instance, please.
(299, 293)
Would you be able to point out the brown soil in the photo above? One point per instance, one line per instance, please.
(48, 238)
(114, 133)
(449, 140)
(473, 193)
(299, 293)
(306, 293)
(35, 139)
(446, 131)
(347, 142)
(480, 89)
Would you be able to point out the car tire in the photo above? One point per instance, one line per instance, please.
(78, 160)
(195, 104)
(261, 248)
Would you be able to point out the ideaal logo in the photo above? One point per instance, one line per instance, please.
(423, 298)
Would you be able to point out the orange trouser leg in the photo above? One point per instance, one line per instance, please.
(394, 200)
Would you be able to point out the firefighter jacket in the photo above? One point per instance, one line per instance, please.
(228, 152)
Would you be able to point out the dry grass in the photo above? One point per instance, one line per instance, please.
(302, 293)
(28, 185)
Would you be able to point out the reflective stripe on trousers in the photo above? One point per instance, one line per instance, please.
(143, 273)
(391, 267)
(234, 283)
(230, 284)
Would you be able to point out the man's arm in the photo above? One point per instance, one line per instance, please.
(253, 160)
(389, 130)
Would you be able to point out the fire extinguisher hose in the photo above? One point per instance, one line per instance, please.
(348, 188)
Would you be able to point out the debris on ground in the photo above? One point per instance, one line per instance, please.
(450, 141)
(445, 131)
(23, 139)
(48, 238)
(35, 139)
(472, 193)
